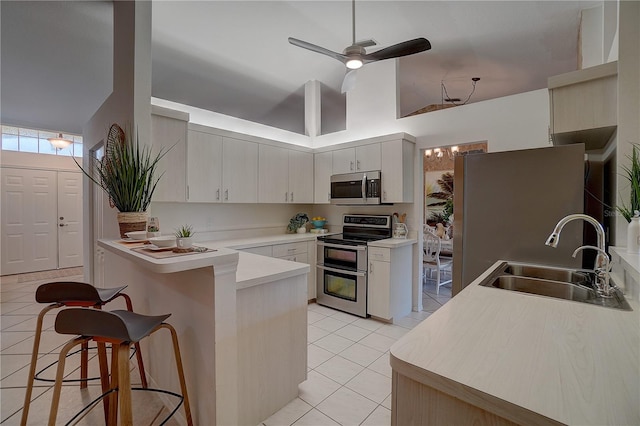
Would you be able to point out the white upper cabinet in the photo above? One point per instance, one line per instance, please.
(221, 169)
(170, 133)
(397, 171)
(239, 171)
(273, 182)
(285, 176)
(323, 166)
(204, 167)
(359, 159)
(300, 177)
(368, 157)
(344, 161)
(584, 106)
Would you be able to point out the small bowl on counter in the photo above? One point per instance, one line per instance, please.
(137, 235)
(318, 224)
(163, 241)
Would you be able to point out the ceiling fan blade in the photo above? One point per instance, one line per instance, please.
(305, 45)
(397, 50)
(349, 81)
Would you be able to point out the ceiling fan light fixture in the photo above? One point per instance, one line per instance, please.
(59, 142)
(354, 62)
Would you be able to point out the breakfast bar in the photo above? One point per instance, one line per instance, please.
(241, 323)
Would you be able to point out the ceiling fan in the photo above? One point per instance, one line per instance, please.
(355, 56)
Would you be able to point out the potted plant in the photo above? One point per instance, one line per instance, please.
(632, 174)
(127, 174)
(184, 236)
(298, 222)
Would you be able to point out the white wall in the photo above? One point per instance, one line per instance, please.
(234, 124)
(128, 105)
(592, 36)
(37, 161)
(219, 221)
(513, 122)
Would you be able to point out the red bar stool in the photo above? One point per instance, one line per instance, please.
(70, 293)
(121, 329)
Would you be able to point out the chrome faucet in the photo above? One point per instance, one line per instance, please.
(601, 266)
(603, 287)
(553, 239)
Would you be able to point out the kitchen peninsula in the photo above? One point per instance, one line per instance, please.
(241, 323)
(491, 356)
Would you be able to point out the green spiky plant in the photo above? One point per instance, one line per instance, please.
(185, 231)
(632, 174)
(126, 172)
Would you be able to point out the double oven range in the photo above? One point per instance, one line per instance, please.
(342, 262)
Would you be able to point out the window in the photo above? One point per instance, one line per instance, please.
(33, 140)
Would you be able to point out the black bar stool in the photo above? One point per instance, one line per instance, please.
(121, 329)
(70, 293)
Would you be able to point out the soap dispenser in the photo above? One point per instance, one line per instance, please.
(633, 234)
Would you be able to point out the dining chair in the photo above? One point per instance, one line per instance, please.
(432, 259)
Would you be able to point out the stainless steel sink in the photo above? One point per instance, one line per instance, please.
(542, 287)
(547, 273)
(559, 283)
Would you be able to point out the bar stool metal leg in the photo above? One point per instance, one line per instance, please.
(124, 384)
(143, 375)
(178, 358)
(34, 360)
(57, 388)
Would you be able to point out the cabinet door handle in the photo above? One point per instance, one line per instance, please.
(371, 267)
(226, 195)
(218, 194)
(328, 196)
(358, 165)
(286, 196)
(384, 195)
(292, 196)
(351, 166)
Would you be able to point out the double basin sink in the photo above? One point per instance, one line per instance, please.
(556, 282)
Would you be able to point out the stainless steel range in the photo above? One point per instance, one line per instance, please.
(342, 262)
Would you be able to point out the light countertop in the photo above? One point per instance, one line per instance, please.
(393, 242)
(516, 354)
(172, 264)
(252, 269)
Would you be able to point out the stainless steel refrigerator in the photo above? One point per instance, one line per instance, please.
(507, 203)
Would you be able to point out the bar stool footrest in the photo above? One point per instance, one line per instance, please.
(40, 379)
(104, 395)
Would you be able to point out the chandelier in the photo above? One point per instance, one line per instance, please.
(438, 154)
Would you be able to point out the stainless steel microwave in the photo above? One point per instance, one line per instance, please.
(356, 188)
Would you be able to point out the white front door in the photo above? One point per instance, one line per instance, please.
(69, 219)
(29, 221)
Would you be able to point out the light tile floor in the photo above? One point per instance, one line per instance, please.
(348, 381)
(349, 376)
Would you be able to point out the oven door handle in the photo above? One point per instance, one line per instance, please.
(342, 246)
(342, 271)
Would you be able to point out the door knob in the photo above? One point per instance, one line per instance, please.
(62, 224)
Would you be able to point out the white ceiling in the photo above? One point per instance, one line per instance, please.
(233, 57)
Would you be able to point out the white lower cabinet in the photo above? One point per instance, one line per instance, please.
(389, 282)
